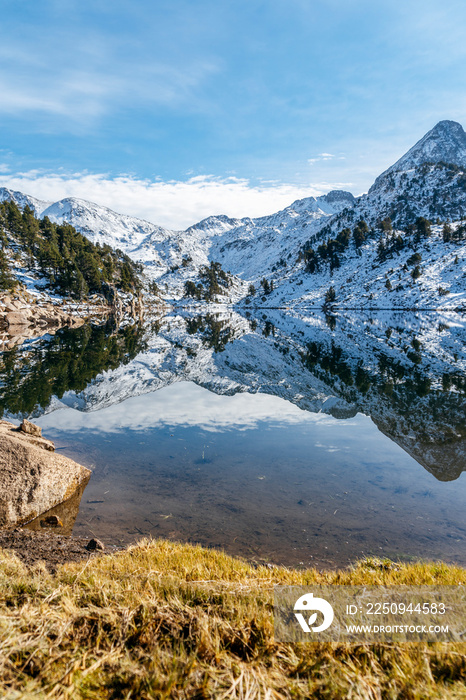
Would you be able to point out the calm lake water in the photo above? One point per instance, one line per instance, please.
(294, 440)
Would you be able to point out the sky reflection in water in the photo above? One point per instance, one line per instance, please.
(257, 476)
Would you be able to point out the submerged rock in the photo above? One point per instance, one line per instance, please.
(61, 518)
(33, 479)
(51, 521)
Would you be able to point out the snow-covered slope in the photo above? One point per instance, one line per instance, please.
(259, 246)
(431, 190)
(102, 225)
(445, 143)
(430, 182)
(23, 200)
(425, 274)
(172, 257)
(217, 238)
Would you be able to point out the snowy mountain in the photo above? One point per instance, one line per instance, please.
(393, 266)
(428, 181)
(445, 143)
(258, 246)
(102, 225)
(23, 200)
(173, 257)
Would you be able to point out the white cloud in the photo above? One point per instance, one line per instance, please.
(324, 157)
(82, 96)
(174, 204)
(186, 404)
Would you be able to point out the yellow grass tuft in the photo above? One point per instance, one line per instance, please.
(167, 620)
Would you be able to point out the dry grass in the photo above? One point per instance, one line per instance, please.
(165, 620)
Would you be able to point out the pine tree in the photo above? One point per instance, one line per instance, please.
(6, 279)
(330, 296)
(423, 228)
(360, 233)
(60, 253)
(265, 285)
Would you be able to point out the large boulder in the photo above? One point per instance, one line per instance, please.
(33, 478)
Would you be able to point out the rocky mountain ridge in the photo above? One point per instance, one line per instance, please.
(445, 143)
(428, 181)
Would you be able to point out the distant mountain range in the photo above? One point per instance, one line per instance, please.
(315, 243)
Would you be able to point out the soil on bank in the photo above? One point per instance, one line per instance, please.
(52, 549)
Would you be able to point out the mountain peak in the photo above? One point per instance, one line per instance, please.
(447, 126)
(340, 196)
(445, 143)
(23, 200)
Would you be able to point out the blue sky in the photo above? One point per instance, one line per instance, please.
(176, 109)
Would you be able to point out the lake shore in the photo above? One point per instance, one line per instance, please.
(53, 550)
(29, 314)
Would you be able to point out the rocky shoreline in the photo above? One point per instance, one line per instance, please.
(40, 494)
(24, 315)
(32, 547)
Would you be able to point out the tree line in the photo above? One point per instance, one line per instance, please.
(213, 282)
(67, 261)
(391, 242)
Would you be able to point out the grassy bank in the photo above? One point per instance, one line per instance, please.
(164, 620)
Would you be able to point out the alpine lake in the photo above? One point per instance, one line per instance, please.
(280, 436)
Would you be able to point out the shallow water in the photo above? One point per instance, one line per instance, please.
(281, 440)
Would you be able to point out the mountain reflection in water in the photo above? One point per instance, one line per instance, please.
(33, 373)
(313, 376)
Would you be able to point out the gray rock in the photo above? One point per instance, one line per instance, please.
(66, 514)
(33, 479)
